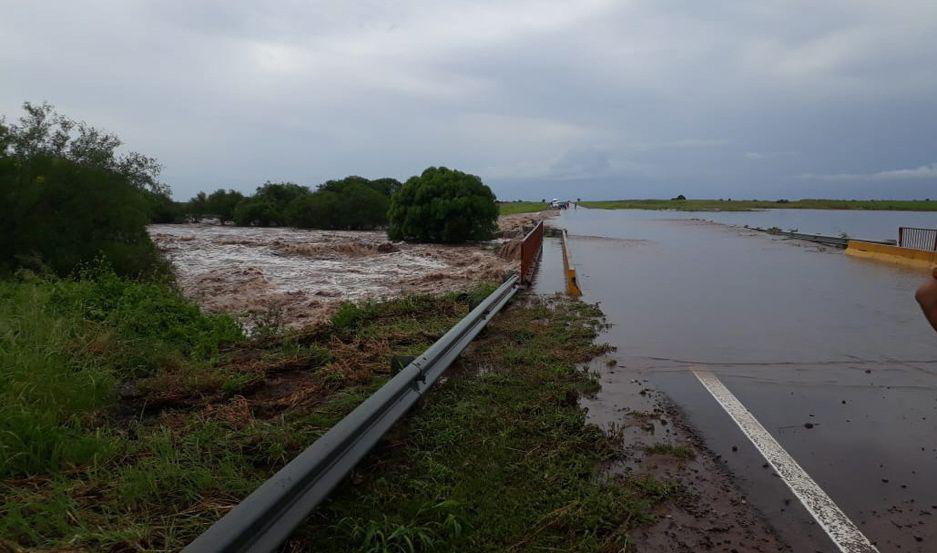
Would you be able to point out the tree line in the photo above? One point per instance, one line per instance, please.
(352, 203)
(69, 197)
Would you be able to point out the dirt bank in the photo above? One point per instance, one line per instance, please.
(509, 225)
(709, 513)
(295, 277)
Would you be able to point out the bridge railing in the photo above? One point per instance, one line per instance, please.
(531, 248)
(918, 238)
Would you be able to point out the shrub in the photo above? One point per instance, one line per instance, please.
(57, 214)
(443, 205)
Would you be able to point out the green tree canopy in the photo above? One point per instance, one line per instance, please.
(443, 205)
(222, 203)
(57, 214)
(42, 131)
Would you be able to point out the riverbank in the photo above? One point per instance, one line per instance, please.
(750, 205)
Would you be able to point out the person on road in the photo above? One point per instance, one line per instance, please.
(926, 295)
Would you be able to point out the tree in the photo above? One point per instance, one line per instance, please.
(162, 209)
(258, 212)
(221, 204)
(386, 186)
(443, 205)
(44, 132)
(356, 207)
(198, 207)
(58, 214)
(269, 204)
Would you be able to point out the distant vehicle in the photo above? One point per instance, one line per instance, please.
(557, 204)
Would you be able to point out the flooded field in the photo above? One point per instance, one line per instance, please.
(830, 353)
(297, 277)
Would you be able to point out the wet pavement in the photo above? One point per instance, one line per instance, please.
(830, 353)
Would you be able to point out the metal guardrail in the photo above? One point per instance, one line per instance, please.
(918, 238)
(267, 517)
(531, 248)
(835, 241)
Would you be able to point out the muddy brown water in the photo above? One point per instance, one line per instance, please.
(801, 334)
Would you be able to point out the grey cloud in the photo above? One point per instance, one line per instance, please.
(630, 99)
(928, 171)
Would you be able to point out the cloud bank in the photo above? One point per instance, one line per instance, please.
(610, 99)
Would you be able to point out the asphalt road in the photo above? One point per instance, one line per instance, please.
(829, 353)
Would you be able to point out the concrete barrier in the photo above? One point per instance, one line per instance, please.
(892, 254)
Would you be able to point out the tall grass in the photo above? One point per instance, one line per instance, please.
(65, 345)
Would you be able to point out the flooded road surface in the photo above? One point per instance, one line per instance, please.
(864, 225)
(299, 277)
(828, 352)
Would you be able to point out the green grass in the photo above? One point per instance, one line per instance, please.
(749, 205)
(499, 457)
(131, 420)
(511, 208)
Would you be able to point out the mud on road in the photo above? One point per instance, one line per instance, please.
(294, 277)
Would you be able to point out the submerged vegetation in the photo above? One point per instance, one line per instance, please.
(749, 205)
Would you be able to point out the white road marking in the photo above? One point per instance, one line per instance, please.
(837, 525)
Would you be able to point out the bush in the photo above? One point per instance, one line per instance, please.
(443, 205)
(56, 214)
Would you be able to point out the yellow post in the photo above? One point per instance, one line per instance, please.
(572, 285)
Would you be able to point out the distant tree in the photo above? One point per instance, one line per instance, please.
(221, 204)
(320, 210)
(269, 204)
(443, 205)
(356, 207)
(258, 212)
(197, 207)
(162, 209)
(678, 198)
(386, 186)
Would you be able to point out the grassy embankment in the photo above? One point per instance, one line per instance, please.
(131, 420)
(749, 205)
(512, 208)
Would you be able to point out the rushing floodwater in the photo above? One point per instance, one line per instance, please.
(800, 333)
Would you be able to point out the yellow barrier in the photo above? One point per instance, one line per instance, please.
(892, 254)
(572, 285)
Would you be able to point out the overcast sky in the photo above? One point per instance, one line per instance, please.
(592, 99)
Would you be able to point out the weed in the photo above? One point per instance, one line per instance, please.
(678, 451)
